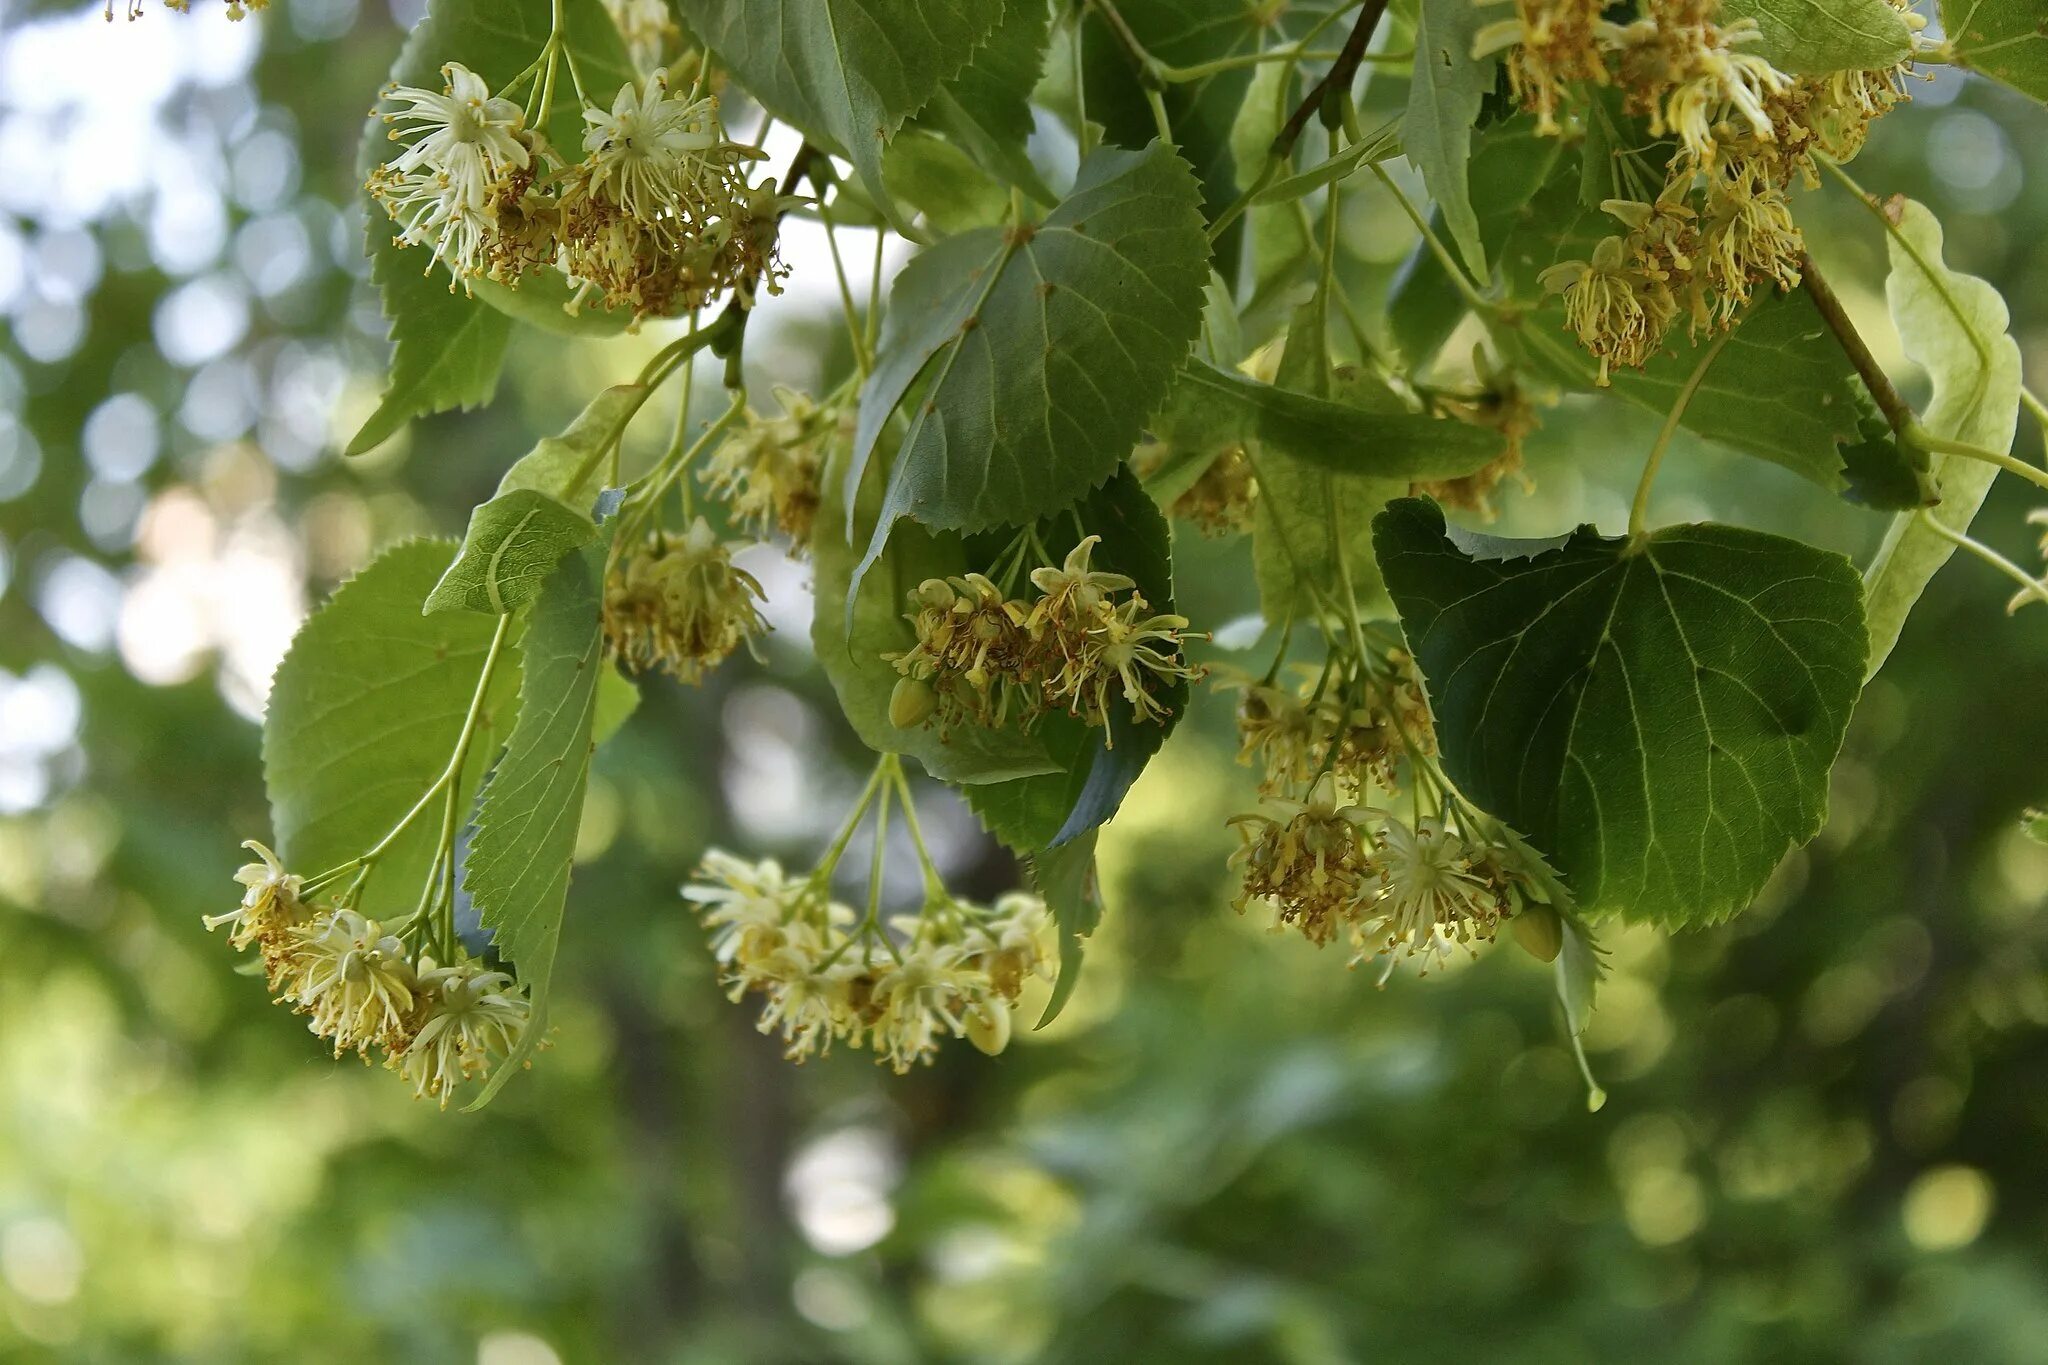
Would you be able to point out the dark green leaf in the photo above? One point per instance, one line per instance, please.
(845, 72)
(363, 717)
(1042, 349)
(1066, 878)
(986, 109)
(517, 871)
(1881, 473)
(2035, 823)
(1815, 37)
(1658, 719)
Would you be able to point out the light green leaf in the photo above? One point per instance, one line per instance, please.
(363, 716)
(447, 347)
(543, 300)
(1815, 37)
(618, 697)
(1223, 407)
(936, 178)
(1657, 718)
(845, 72)
(1954, 326)
(1258, 120)
(850, 643)
(1443, 107)
(513, 544)
(1065, 877)
(1381, 147)
(564, 466)
(2035, 823)
(986, 109)
(1580, 968)
(517, 871)
(2007, 40)
(1041, 350)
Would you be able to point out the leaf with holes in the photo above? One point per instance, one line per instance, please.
(517, 871)
(363, 717)
(1658, 719)
(845, 72)
(1039, 350)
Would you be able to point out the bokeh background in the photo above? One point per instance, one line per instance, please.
(1824, 1136)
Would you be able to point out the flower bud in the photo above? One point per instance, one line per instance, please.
(911, 703)
(1540, 932)
(988, 1027)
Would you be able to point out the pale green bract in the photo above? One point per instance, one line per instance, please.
(1814, 37)
(1953, 325)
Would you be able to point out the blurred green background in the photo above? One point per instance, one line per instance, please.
(1824, 1133)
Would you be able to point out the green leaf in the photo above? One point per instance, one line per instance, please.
(1443, 107)
(1259, 118)
(2007, 40)
(1815, 37)
(448, 347)
(1042, 349)
(513, 544)
(1066, 879)
(363, 716)
(564, 466)
(543, 298)
(517, 870)
(986, 109)
(1383, 146)
(2035, 824)
(618, 697)
(1953, 326)
(845, 72)
(1881, 473)
(943, 183)
(850, 644)
(1224, 407)
(1580, 968)
(1657, 718)
(1093, 776)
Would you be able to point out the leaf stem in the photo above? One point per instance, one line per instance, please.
(1639, 510)
(1460, 281)
(861, 358)
(2030, 587)
(1895, 409)
(1942, 445)
(1906, 244)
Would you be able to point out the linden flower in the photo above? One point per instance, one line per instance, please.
(681, 605)
(462, 147)
(1279, 732)
(1313, 866)
(270, 903)
(1619, 313)
(768, 470)
(1555, 42)
(740, 902)
(1075, 594)
(918, 1002)
(1008, 945)
(972, 649)
(647, 26)
(656, 154)
(474, 1018)
(1431, 897)
(1749, 236)
(354, 980)
(1128, 650)
(1220, 502)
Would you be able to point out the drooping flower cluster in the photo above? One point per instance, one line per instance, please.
(1088, 641)
(365, 988)
(658, 216)
(678, 603)
(954, 970)
(1331, 864)
(768, 470)
(1744, 131)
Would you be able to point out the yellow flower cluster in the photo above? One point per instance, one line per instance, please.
(363, 987)
(953, 971)
(768, 471)
(658, 217)
(1355, 721)
(1220, 502)
(680, 604)
(1745, 131)
(982, 656)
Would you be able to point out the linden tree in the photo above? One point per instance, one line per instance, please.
(1124, 315)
